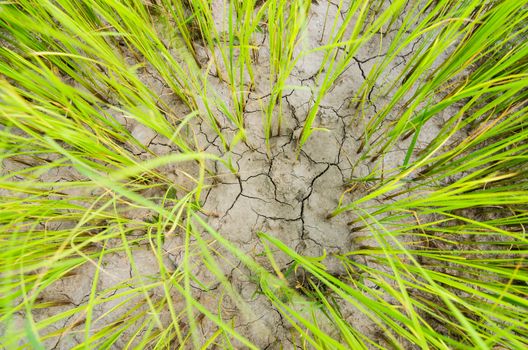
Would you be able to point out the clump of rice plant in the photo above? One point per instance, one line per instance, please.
(118, 118)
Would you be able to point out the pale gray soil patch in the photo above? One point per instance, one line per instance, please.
(284, 194)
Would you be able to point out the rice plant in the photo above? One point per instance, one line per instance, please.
(263, 174)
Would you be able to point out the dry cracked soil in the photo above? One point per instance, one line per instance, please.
(281, 192)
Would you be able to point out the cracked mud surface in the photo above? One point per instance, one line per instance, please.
(284, 194)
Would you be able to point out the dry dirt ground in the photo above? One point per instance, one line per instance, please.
(277, 193)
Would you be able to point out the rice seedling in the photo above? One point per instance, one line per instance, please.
(263, 174)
